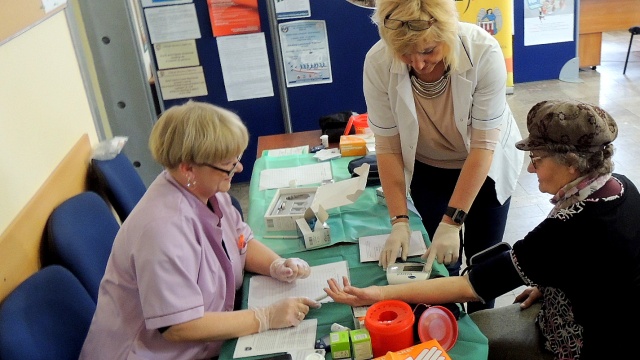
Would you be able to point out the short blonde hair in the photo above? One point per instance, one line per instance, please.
(197, 133)
(404, 40)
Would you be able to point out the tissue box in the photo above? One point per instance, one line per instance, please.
(340, 345)
(291, 204)
(361, 344)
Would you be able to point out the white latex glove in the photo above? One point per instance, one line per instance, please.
(284, 313)
(445, 245)
(399, 238)
(290, 269)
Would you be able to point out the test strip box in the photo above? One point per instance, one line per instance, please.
(288, 205)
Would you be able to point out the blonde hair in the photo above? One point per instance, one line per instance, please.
(404, 40)
(197, 133)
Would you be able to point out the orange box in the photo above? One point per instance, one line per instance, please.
(351, 145)
(427, 350)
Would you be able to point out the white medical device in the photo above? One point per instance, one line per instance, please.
(401, 273)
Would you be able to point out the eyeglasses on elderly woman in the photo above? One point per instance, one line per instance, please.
(228, 172)
(415, 25)
(535, 159)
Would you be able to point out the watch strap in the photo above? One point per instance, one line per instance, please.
(397, 217)
(457, 215)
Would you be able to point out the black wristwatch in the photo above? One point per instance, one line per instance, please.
(457, 215)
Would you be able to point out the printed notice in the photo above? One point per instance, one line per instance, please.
(182, 83)
(305, 52)
(245, 66)
(172, 23)
(176, 54)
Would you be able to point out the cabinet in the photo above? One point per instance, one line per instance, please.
(598, 16)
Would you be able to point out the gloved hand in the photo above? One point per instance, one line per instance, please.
(399, 238)
(284, 313)
(290, 269)
(445, 245)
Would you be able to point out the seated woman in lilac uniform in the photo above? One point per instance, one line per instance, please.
(170, 284)
(581, 264)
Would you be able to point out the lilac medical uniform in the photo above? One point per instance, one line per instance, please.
(168, 265)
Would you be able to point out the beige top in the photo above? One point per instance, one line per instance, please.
(440, 144)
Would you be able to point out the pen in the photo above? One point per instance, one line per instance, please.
(280, 237)
(321, 297)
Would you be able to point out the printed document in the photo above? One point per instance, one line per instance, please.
(275, 341)
(299, 175)
(371, 246)
(265, 290)
(304, 149)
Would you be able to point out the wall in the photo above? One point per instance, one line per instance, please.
(43, 110)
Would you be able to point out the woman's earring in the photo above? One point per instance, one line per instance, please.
(191, 183)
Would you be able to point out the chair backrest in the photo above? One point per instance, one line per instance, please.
(123, 186)
(47, 317)
(120, 182)
(80, 234)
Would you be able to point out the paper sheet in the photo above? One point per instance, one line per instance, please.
(302, 175)
(275, 341)
(265, 290)
(371, 246)
(304, 149)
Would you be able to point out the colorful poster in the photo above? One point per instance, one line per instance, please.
(548, 21)
(495, 16)
(233, 17)
(305, 52)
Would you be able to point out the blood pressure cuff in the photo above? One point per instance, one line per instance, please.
(374, 178)
(494, 276)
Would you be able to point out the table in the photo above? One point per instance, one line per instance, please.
(598, 16)
(311, 138)
(347, 223)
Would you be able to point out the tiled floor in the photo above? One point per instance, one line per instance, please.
(606, 86)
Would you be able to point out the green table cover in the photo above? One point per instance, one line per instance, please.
(347, 223)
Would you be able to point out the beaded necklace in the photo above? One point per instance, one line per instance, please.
(430, 90)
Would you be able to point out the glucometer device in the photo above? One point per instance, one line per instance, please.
(401, 273)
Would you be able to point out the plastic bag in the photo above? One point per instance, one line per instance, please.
(108, 149)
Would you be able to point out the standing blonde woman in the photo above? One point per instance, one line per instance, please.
(435, 90)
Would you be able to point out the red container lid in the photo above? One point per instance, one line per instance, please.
(389, 317)
(439, 323)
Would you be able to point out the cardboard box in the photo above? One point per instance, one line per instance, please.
(352, 145)
(359, 313)
(340, 345)
(315, 231)
(276, 220)
(429, 349)
(326, 197)
(313, 227)
(361, 344)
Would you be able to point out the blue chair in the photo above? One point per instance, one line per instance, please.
(80, 234)
(120, 182)
(123, 186)
(47, 317)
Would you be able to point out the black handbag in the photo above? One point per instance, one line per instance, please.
(334, 125)
(374, 177)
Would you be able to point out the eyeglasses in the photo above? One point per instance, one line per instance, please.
(415, 25)
(534, 159)
(228, 172)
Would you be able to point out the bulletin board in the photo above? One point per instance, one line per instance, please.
(18, 16)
